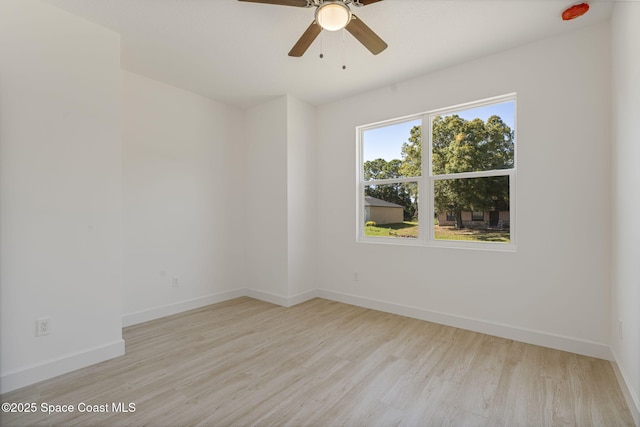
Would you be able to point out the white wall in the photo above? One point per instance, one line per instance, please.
(301, 195)
(266, 228)
(625, 343)
(60, 192)
(554, 290)
(280, 201)
(183, 199)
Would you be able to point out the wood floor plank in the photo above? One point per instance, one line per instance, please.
(247, 362)
(479, 386)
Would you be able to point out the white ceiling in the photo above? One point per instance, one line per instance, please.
(236, 52)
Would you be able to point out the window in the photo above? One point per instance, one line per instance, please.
(458, 191)
(477, 216)
(390, 187)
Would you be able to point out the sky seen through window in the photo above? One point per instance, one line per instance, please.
(386, 142)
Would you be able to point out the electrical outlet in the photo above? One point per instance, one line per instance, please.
(356, 276)
(43, 326)
(175, 282)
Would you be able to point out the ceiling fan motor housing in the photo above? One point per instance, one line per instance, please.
(333, 15)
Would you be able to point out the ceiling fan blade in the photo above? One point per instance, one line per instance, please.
(366, 2)
(365, 35)
(296, 3)
(305, 40)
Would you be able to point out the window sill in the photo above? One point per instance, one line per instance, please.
(448, 244)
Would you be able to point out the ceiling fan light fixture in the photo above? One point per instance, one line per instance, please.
(333, 16)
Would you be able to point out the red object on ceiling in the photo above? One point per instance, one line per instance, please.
(575, 11)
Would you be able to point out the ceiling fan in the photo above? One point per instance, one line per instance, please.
(332, 15)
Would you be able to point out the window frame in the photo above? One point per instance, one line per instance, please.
(426, 181)
(474, 216)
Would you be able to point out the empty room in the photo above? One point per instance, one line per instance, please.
(319, 213)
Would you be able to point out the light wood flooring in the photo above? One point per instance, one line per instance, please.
(321, 363)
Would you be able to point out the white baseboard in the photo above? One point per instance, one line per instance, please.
(267, 297)
(281, 300)
(179, 307)
(633, 400)
(16, 379)
(302, 297)
(544, 339)
(573, 345)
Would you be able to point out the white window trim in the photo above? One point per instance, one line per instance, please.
(426, 184)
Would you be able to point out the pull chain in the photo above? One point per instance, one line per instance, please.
(344, 67)
(344, 49)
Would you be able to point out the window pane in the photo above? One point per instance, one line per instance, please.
(477, 216)
(459, 203)
(391, 210)
(392, 151)
(473, 140)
